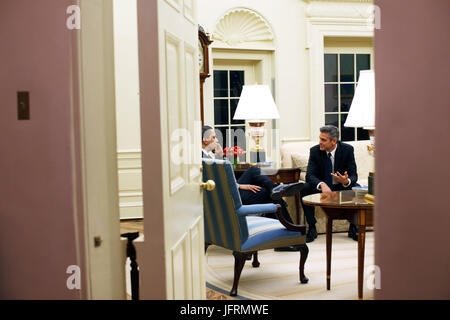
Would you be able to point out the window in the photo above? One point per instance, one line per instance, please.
(341, 78)
(227, 90)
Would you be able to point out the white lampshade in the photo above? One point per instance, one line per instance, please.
(362, 110)
(256, 103)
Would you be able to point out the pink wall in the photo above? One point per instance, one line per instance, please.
(37, 231)
(412, 54)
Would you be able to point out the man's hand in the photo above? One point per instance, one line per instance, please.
(218, 151)
(325, 188)
(250, 187)
(341, 178)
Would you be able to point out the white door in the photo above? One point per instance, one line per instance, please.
(171, 257)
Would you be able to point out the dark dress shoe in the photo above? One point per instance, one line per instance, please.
(353, 232)
(286, 190)
(288, 248)
(311, 235)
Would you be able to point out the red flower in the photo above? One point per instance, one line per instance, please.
(233, 151)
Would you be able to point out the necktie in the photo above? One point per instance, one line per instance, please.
(328, 179)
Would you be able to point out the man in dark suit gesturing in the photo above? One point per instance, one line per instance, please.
(331, 167)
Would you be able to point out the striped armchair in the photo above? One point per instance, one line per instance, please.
(241, 228)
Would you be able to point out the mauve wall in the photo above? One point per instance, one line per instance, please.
(37, 237)
(412, 63)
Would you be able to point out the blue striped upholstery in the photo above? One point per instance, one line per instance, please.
(227, 221)
(265, 233)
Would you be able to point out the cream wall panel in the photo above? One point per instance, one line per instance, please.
(131, 212)
(130, 179)
(130, 184)
(127, 107)
(126, 75)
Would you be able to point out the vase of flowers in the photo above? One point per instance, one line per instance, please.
(233, 153)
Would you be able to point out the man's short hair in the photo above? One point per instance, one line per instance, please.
(204, 131)
(333, 132)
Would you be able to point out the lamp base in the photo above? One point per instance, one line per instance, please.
(257, 156)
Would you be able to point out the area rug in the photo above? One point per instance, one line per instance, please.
(277, 276)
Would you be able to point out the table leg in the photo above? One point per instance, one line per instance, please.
(361, 249)
(297, 207)
(329, 238)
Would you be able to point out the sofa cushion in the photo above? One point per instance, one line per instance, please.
(300, 160)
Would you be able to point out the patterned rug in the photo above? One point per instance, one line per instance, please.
(277, 276)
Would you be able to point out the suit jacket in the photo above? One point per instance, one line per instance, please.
(344, 160)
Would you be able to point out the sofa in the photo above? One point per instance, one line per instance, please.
(296, 154)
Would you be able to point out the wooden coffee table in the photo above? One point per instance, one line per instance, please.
(349, 206)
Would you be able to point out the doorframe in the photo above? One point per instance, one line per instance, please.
(94, 154)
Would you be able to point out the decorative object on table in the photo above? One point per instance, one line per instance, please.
(362, 114)
(256, 105)
(360, 190)
(233, 153)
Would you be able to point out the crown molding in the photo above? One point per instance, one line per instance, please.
(360, 9)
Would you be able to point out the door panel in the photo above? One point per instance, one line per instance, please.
(177, 224)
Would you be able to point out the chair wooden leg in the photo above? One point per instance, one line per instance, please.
(255, 262)
(239, 262)
(303, 256)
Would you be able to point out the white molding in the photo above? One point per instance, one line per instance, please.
(176, 4)
(136, 204)
(242, 26)
(189, 15)
(127, 151)
(355, 9)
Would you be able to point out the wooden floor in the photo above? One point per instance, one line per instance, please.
(128, 226)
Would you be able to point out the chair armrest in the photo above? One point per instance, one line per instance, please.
(248, 209)
(290, 226)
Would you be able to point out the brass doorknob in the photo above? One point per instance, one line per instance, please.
(208, 185)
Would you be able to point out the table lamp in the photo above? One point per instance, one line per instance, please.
(256, 105)
(362, 114)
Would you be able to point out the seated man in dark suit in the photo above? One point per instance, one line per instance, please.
(254, 187)
(331, 167)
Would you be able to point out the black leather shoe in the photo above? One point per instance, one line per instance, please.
(288, 248)
(311, 235)
(353, 232)
(286, 190)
